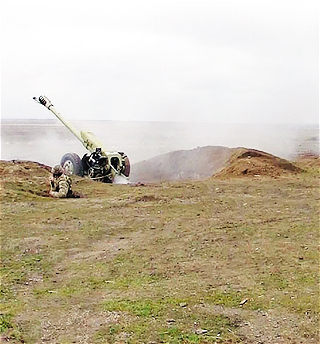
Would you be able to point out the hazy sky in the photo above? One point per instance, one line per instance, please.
(205, 61)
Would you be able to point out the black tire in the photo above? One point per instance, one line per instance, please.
(72, 164)
(126, 165)
(85, 163)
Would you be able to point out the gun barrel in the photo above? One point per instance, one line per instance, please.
(90, 141)
(47, 103)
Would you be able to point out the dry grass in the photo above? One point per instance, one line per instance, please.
(226, 261)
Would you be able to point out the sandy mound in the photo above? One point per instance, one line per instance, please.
(17, 169)
(23, 179)
(250, 162)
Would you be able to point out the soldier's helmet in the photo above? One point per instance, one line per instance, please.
(57, 169)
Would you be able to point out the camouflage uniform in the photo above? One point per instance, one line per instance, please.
(60, 183)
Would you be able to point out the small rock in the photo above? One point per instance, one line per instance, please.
(243, 302)
(183, 304)
(171, 321)
(201, 331)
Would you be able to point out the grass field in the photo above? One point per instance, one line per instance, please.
(232, 261)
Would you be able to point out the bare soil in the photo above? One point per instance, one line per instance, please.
(255, 163)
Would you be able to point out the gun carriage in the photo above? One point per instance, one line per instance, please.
(99, 163)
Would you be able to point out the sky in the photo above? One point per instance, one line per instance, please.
(217, 61)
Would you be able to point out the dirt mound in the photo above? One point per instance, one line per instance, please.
(21, 169)
(250, 162)
(196, 164)
(23, 179)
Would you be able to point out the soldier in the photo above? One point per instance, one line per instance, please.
(60, 183)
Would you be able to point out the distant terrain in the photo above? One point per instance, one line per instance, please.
(232, 257)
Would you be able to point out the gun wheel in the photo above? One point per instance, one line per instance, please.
(72, 164)
(126, 165)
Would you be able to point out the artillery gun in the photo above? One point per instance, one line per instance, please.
(99, 164)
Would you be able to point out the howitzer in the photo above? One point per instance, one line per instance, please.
(99, 164)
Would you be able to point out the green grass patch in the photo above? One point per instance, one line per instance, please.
(275, 280)
(141, 308)
(6, 322)
(227, 298)
(10, 330)
(186, 325)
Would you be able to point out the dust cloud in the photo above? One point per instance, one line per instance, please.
(121, 180)
(46, 141)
